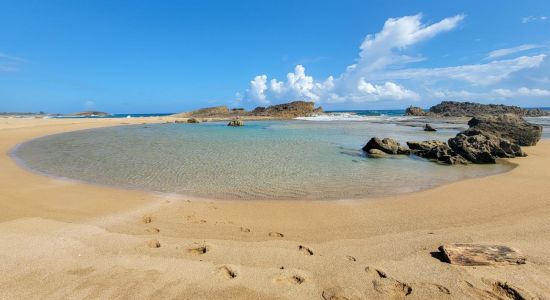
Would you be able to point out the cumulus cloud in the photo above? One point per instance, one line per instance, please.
(521, 92)
(382, 71)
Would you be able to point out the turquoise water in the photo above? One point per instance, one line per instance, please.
(262, 160)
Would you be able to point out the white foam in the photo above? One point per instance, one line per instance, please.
(346, 116)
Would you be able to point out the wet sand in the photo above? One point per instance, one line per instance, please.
(63, 239)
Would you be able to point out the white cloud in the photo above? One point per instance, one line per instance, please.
(530, 19)
(508, 51)
(382, 72)
(479, 74)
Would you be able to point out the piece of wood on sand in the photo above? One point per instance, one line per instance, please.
(481, 255)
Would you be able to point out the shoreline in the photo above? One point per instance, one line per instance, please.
(105, 226)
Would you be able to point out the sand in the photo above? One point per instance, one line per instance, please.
(63, 239)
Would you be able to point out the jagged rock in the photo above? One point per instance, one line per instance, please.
(387, 145)
(436, 151)
(510, 127)
(482, 148)
(429, 127)
(414, 111)
(235, 122)
(481, 255)
(470, 109)
(375, 153)
(288, 110)
(193, 120)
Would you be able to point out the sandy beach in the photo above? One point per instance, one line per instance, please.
(62, 239)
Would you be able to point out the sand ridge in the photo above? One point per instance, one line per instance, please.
(65, 239)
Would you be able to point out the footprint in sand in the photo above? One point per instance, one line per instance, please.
(497, 290)
(244, 229)
(227, 272)
(147, 219)
(342, 293)
(292, 279)
(305, 250)
(350, 258)
(153, 244)
(276, 234)
(199, 250)
(152, 230)
(388, 286)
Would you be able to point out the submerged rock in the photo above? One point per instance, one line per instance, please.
(235, 123)
(481, 255)
(429, 127)
(386, 145)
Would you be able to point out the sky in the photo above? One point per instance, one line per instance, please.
(171, 56)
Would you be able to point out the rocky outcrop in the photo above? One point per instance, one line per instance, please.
(436, 151)
(375, 153)
(387, 145)
(429, 127)
(193, 120)
(414, 111)
(90, 114)
(288, 110)
(489, 138)
(280, 111)
(470, 109)
(510, 127)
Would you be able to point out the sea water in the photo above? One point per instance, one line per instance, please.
(296, 159)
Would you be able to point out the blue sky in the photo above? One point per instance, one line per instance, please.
(171, 56)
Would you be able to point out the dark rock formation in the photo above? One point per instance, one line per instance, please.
(489, 138)
(90, 114)
(414, 111)
(235, 123)
(436, 151)
(470, 109)
(193, 120)
(280, 111)
(387, 145)
(429, 127)
(510, 127)
(288, 110)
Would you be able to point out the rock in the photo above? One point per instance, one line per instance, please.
(414, 111)
(288, 110)
(180, 121)
(193, 120)
(481, 255)
(375, 153)
(387, 145)
(90, 114)
(235, 123)
(509, 127)
(429, 127)
(436, 151)
(470, 109)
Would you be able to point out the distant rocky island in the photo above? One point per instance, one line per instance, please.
(280, 111)
(471, 109)
(89, 114)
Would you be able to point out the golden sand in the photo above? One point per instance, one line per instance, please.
(62, 239)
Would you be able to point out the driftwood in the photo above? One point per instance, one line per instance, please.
(481, 255)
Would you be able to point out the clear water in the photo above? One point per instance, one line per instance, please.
(262, 160)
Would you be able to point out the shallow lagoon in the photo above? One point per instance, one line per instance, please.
(295, 159)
